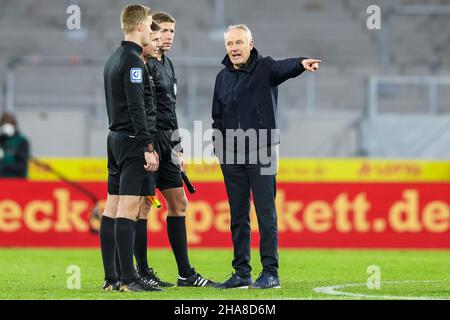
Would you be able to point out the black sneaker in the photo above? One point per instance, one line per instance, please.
(195, 280)
(150, 276)
(111, 285)
(266, 281)
(140, 284)
(236, 282)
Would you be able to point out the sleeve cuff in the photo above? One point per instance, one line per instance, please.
(301, 64)
(148, 145)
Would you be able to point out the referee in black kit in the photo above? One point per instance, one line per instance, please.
(245, 105)
(131, 156)
(168, 178)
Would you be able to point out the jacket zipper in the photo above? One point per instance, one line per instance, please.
(234, 98)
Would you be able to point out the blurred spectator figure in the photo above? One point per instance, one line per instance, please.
(14, 149)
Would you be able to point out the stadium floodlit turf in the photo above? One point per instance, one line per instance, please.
(43, 274)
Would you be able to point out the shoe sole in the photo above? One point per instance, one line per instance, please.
(275, 287)
(110, 288)
(123, 289)
(239, 288)
(185, 286)
(211, 285)
(168, 285)
(128, 290)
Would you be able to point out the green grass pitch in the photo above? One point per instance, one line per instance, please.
(42, 274)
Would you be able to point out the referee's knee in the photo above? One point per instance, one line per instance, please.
(176, 213)
(177, 209)
(144, 208)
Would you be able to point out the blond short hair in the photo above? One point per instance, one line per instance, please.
(131, 15)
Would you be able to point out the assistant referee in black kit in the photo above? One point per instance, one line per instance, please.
(169, 180)
(131, 156)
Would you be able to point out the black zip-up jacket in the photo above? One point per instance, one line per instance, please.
(246, 98)
(126, 78)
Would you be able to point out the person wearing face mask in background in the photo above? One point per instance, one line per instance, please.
(14, 148)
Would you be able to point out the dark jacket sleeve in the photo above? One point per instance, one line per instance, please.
(217, 116)
(217, 108)
(282, 70)
(134, 92)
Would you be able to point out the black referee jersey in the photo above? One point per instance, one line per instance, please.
(126, 80)
(166, 92)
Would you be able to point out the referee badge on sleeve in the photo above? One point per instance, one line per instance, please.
(136, 75)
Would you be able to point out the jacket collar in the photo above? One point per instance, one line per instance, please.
(249, 66)
(133, 45)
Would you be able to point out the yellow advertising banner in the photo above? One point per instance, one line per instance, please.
(290, 170)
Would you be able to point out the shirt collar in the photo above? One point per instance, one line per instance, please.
(133, 45)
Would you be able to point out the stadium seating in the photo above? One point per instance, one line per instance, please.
(334, 31)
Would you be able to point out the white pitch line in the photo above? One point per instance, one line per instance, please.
(334, 290)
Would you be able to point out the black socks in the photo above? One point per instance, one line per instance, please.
(124, 234)
(140, 244)
(118, 241)
(108, 246)
(176, 231)
(117, 264)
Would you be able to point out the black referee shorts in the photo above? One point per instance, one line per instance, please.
(126, 173)
(168, 175)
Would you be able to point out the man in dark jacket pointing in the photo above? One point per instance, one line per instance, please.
(246, 140)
